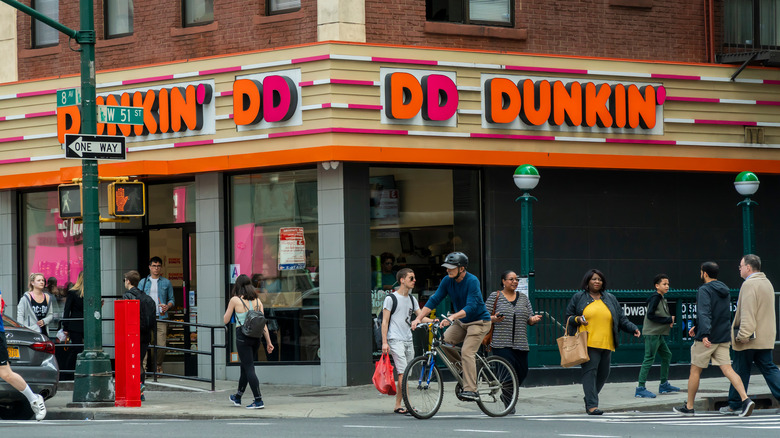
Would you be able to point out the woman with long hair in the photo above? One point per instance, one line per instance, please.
(598, 312)
(35, 306)
(74, 309)
(244, 297)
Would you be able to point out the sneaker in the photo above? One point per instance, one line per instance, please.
(469, 395)
(726, 410)
(257, 404)
(642, 392)
(666, 388)
(747, 408)
(39, 409)
(236, 399)
(683, 410)
(143, 397)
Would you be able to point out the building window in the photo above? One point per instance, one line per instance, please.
(119, 18)
(283, 6)
(43, 34)
(274, 240)
(197, 12)
(492, 12)
(418, 216)
(50, 245)
(752, 23)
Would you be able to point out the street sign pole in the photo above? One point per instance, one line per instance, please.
(92, 382)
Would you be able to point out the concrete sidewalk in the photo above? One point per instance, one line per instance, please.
(183, 399)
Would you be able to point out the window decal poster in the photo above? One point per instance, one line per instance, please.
(292, 249)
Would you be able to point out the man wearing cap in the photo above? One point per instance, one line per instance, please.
(470, 322)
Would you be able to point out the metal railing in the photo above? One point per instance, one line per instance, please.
(552, 305)
(152, 350)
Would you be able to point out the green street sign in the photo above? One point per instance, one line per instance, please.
(120, 115)
(69, 97)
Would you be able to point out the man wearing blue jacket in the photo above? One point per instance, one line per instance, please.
(161, 291)
(470, 322)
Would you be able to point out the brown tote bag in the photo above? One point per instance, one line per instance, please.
(574, 348)
(489, 336)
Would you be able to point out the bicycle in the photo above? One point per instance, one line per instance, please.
(423, 389)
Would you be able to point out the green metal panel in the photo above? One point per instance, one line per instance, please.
(552, 303)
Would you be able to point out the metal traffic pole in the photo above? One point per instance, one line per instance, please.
(92, 382)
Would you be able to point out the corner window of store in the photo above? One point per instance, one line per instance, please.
(418, 216)
(197, 12)
(752, 23)
(50, 245)
(274, 240)
(490, 12)
(283, 6)
(119, 18)
(43, 34)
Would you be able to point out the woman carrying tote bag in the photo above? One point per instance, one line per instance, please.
(597, 311)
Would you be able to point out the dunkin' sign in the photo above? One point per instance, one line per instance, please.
(420, 97)
(574, 105)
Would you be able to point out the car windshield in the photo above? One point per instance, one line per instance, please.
(8, 322)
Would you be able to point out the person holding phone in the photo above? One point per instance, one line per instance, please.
(513, 314)
(598, 312)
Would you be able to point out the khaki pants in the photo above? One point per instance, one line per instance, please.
(471, 334)
(160, 337)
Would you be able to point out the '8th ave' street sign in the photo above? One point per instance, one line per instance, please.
(95, 147)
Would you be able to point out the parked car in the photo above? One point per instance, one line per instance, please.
(31, 356)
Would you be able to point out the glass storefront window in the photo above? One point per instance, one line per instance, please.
(171, 203)
(274, 240)
(51, 246)
(418, 216)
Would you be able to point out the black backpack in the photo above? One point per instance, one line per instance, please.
(254, 323)
(148, 309)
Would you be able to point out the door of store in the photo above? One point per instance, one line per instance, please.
(175, 245)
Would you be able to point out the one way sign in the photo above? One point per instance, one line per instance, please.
(95, 147)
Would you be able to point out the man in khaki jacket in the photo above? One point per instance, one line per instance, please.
(753, 330)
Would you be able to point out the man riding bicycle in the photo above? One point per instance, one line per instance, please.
(470, 322)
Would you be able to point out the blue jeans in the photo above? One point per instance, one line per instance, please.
(742, 364)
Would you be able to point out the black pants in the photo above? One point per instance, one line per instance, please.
(518, 359)
(146, 338)
(69, 362)
(247, 348)
(594, 375)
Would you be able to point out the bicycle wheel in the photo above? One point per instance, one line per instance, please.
(497, 387)
(422, 388)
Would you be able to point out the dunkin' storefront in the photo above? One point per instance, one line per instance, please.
(321, 170)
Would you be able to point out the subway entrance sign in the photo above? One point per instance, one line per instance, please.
(120, 115)
(95, 147)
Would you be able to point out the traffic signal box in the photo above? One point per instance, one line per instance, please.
(126, 199)
(70, 200)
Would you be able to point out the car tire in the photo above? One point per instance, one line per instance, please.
(16, 411)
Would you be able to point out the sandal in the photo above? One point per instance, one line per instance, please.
(401, 411)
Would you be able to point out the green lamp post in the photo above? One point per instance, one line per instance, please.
(526, 178)
(746, 184)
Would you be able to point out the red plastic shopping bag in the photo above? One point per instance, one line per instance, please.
(384, 377)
